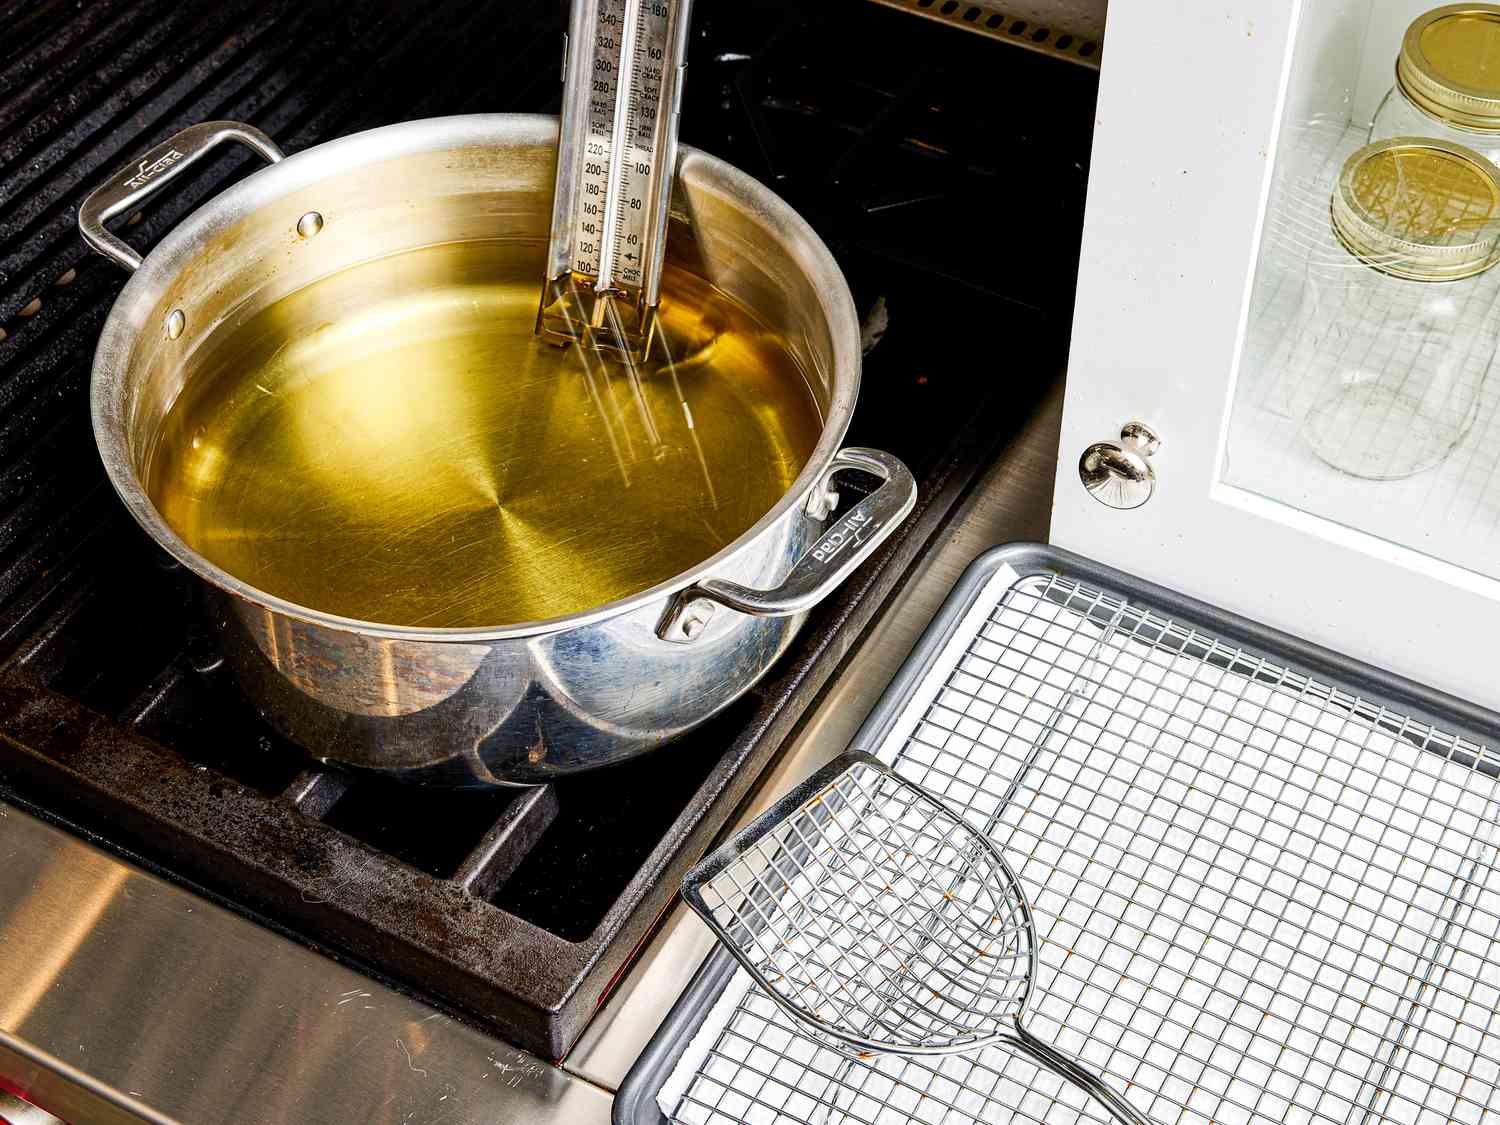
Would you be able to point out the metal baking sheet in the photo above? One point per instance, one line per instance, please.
(1265, 875)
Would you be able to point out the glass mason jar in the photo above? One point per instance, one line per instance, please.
(1398, 322)
(1447, 80)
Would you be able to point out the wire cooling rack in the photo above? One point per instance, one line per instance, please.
(1259, 897)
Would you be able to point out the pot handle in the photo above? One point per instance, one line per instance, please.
(148, 175)
(814, 576)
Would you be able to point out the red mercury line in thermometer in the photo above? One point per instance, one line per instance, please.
(617, 150)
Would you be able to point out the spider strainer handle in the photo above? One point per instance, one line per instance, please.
(753, 879)
(1065, 1066)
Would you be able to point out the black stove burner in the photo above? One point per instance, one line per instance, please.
(947, 174)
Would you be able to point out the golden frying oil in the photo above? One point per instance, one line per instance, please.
(393, 444)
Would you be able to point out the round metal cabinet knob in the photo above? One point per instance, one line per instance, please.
(1119, 473)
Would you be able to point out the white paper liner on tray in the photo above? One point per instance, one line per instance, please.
(1257, 901)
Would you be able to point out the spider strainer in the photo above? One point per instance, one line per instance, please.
(877, 918)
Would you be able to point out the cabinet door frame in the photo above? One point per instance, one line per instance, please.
(1190, 110)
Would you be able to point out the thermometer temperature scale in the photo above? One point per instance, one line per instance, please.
(623, 72)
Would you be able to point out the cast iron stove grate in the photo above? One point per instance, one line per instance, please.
(517, 908)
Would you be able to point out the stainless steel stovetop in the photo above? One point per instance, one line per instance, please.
(210, 1017)
(125, 993)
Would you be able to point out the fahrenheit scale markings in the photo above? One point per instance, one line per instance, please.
(623, 74)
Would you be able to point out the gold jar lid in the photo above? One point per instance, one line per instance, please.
(1419, 208)
(1450, 64)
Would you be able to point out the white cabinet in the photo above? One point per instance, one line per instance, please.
(1221, 131)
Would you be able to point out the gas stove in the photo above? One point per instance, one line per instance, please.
(503, 917)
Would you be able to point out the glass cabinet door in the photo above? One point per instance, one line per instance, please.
(1282, 395)
(1365, 394)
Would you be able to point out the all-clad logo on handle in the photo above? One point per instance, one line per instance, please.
(851, 531)
(149, 171)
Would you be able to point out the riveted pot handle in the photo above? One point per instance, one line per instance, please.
(148, 175)
(852, 539)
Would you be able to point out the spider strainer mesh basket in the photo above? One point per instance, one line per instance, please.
(874, 914)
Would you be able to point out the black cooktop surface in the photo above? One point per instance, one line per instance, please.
(945, 170)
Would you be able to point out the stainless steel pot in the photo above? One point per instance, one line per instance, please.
(524, 703)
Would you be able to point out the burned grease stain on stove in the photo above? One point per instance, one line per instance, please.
(515, 908)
